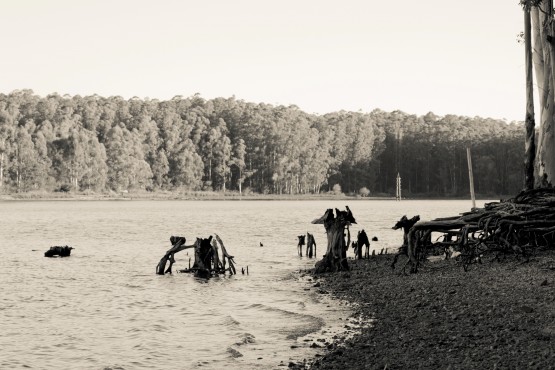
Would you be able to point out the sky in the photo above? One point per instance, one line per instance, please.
(447, 57)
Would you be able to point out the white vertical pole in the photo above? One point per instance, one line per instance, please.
(398, 188)
(471, 177)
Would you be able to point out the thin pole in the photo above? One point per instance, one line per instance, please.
(398, 187)
(471, 177)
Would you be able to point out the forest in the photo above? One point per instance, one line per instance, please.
(99, 144)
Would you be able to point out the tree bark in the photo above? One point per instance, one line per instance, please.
(203, 257)
(545, 153)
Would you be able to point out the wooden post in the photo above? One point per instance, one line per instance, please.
(398, 187)
(471, 177)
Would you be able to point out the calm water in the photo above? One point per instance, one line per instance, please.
(105, 307)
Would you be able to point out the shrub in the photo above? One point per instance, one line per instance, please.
(337, 189)
(364, 192)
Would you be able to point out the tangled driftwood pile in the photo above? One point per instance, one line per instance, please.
(518, 225)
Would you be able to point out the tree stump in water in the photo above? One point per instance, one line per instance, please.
(203, 257)
(62, 251)
(211, 257)
(300, 245)
(310, 245)
(335, 258)
(362, 240)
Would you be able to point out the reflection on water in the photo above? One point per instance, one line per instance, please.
(105, 307)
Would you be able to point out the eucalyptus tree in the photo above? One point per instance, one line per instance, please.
(540, 32)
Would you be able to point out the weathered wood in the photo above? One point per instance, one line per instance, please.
(300, 245)
(310, 245)
(405, 224)
(210, 256)
(203, 257)
(362, 241)
(230, 259)
(518, 225)
(62, 251)
(178, 244)
(335, 258)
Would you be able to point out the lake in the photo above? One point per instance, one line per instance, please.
(104, 307)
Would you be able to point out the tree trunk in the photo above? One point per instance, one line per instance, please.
(545, 154)
(310, 245)
(335, 257)
(530, 144)
(1, 169)
(203, 257)
(239, 181)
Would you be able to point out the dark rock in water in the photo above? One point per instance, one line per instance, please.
(62, 251)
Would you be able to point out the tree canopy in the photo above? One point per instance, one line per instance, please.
(98, 143)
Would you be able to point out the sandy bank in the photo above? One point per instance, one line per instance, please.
(496, 315)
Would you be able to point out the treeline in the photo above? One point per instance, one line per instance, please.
(79, 143)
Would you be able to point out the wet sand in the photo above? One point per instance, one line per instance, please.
(496, 315)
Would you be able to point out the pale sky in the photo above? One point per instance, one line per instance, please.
(458, 57)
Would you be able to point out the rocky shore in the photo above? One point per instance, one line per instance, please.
(498, 315)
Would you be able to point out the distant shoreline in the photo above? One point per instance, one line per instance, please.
(206, 195)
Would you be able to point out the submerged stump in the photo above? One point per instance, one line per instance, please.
(211, 257)
(62, 251)
(362, 241)
(335, 258)
(310, 245)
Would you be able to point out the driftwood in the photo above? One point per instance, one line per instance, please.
(178, 244)
(211, 257)
(62, 251)
(335, 258)
(517, 226)
(310, 245)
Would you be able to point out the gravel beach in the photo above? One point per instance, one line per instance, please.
(497, 315)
